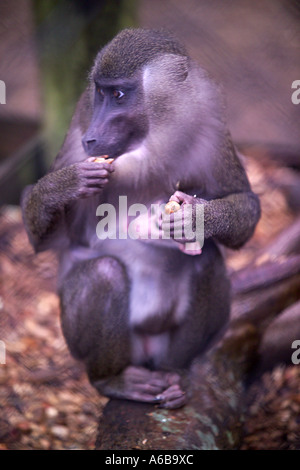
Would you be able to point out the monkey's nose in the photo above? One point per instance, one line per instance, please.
(88, 144)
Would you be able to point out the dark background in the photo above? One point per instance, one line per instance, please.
(252, 47)
(47, 47)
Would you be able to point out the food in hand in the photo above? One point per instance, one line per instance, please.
(103, 158)
(172, 206)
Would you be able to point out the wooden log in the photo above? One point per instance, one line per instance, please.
(257, 278)
(276, 344)
(212, 418)
(285, 244)
(288, 181)
(282, 154)
(260, 293)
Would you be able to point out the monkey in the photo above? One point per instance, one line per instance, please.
(138, 312)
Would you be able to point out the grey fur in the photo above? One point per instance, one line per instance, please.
(131, 306)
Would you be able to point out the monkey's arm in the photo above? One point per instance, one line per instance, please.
(231, 220)
(231, 216)
(44, 204)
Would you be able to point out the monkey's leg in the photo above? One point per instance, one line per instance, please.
(95, 321)
(206, 317)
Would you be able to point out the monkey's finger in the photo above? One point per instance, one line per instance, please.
(173, 378)
(175, 198)
(97, 174)
(150, 388)
(107, 166)
(137, 374)
(168, 226)
(173, 397)
(159, 221)
(169, 217)
(151, 383)
(94, 166)
(179, 236)
(183, 222)
(155, 385)
(176, 234)
(167, 232)
(159, 375)
(181, 197)
(167, 220)
(174, 392)
(178, 227)
(174, 403)
(144, 397)
(177, 224)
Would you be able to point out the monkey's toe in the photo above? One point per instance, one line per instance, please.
(172, 397)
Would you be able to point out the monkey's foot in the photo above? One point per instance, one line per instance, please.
(141, 384)
(172, 397)
(157, 387)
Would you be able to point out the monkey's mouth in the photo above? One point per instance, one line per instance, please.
(103, 158)
(112, 151)
(100, 157)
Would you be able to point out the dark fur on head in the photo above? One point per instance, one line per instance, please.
(131, 49)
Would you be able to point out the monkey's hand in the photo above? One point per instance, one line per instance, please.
(43, 204)
(80, 180)
(89, 177)
(230, 220)
(186, 224)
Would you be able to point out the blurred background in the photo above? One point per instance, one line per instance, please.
(47, 48)
(251, 47)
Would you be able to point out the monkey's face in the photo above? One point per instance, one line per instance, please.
(119, 122)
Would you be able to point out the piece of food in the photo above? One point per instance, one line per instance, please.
(103, 158)
(172, 206)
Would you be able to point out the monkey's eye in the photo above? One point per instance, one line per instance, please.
(118, 94)
(100, 91)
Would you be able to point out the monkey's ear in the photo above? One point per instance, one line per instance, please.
(177, 67)
(170, 68)
(183, 68)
